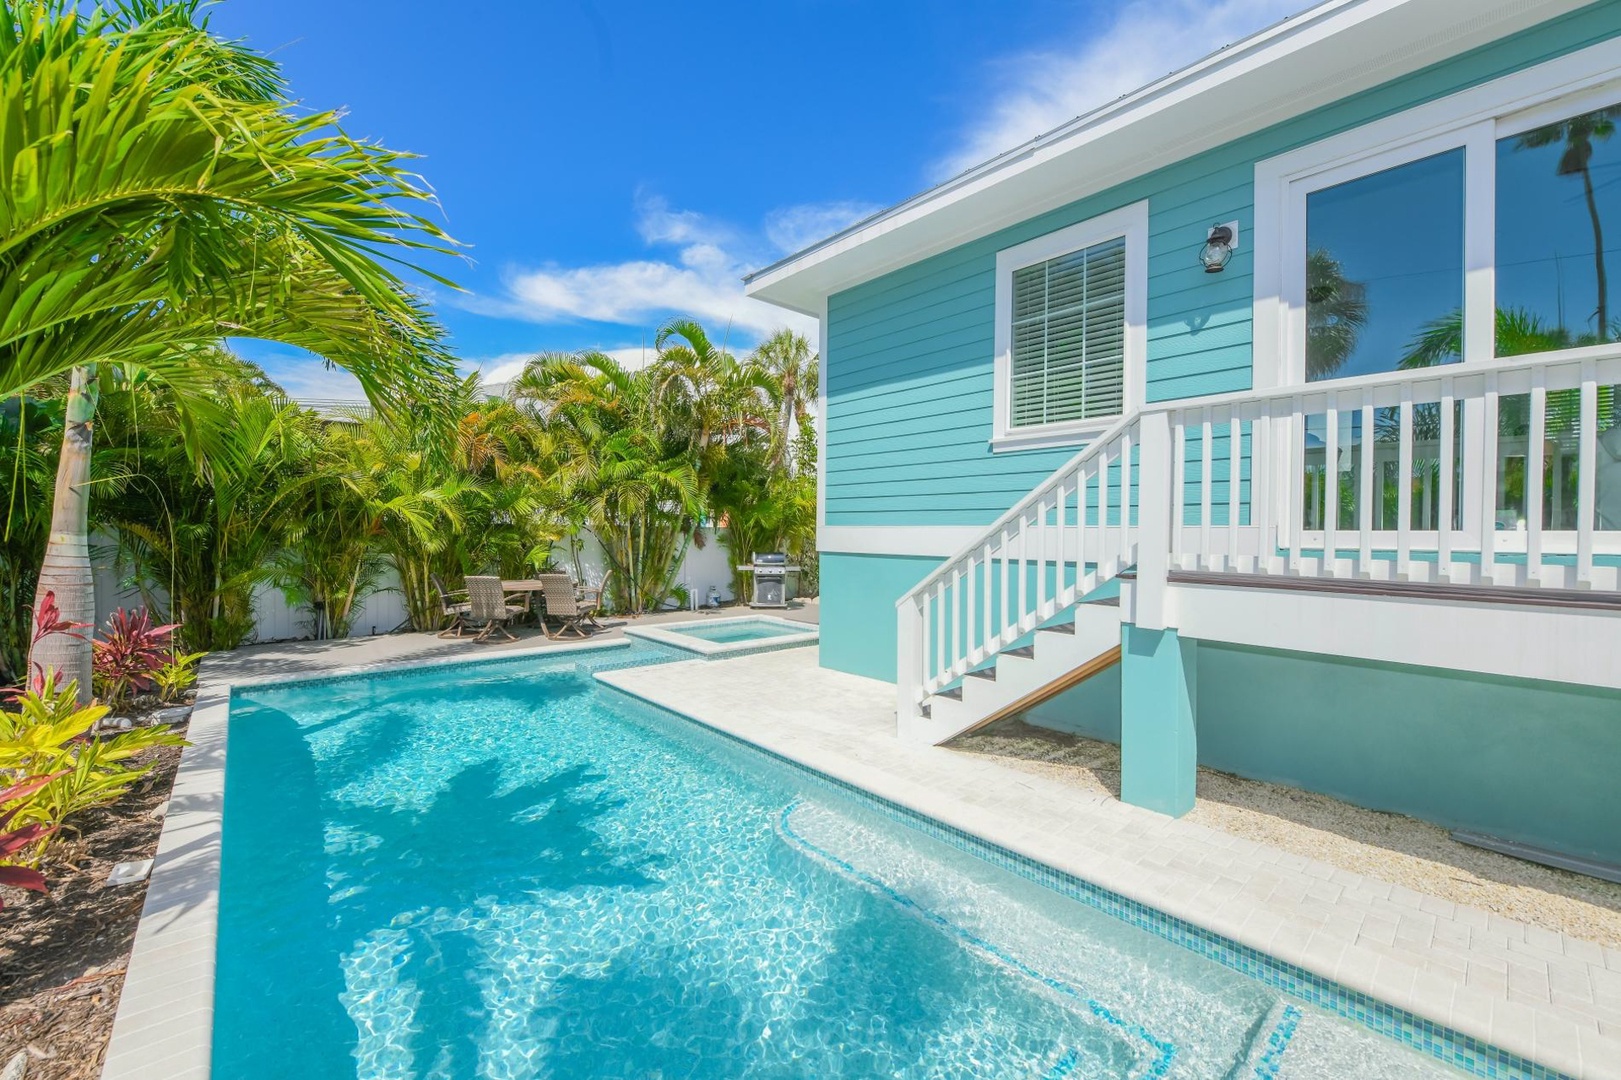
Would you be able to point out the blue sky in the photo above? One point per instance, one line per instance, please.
(610, 165)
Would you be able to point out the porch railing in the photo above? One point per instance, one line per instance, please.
(1502, 474)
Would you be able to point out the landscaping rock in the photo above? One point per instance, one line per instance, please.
(17, 1067)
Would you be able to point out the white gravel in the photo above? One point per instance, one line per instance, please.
(1391, 847)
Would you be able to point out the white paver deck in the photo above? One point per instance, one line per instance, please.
(1539, 994)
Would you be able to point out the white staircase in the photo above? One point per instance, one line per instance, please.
(1328, 504)
(1073, 647)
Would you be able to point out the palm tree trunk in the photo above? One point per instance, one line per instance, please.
(1598, 257)
(66, 567)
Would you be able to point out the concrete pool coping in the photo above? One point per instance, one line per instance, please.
(671, 634)
(164, 1027)
(1543, 996)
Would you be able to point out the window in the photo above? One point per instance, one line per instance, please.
(1384, 270)
(1069, 336)
(1483, 224)
(1559, 234)
(1070, 331)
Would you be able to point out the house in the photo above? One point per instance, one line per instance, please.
(1264, 418)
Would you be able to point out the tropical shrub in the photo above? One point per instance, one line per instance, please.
(177, 675)
(15, 842)
(50, 735)
(128, 654)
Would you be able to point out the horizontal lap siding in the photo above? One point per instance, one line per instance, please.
(910, 354)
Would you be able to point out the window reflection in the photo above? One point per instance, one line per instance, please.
(1384, 270)
(1558, 231)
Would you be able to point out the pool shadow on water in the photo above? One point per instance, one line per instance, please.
(292, 910)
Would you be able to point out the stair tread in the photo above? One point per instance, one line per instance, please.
(952, 692)
(984, 673)
(1028, 652)
(1059, 628)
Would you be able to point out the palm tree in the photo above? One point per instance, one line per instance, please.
(1578, 134)
(158, 193)
(1336, 312)
(788, 357)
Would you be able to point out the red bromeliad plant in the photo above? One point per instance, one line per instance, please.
(130, 652)
(47, 621)
(13, 841)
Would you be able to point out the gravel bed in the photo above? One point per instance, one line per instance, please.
(1391, 847)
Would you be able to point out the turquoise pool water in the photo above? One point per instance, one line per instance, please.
(504, 870)
(726, 633)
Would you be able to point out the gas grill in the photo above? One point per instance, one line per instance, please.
(771, 579)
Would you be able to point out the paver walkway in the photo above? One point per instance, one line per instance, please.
(1534, 992)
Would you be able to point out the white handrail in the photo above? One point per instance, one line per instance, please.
(1424, 478)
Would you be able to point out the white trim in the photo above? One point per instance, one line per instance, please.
(930, 541)
(1129, 223)
(822, 364)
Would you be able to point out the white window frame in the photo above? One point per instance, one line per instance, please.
(1474, 120)
(1131, 224)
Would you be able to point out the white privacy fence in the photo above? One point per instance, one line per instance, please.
(384, 610)
(1500, 475)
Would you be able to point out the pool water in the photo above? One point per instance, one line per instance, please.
(735, 630)
(506, 870)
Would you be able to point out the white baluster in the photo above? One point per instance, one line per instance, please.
(1024, 575)
(1488, 483)
(1297, 481)
(1447, 481)
(1331, 488)
(1206, 473)
(1042, 556)
(1404, 485)
(1533, 478)
(1179, 506)
(1586, 477)
(970, 623)
(1106, 569)
(1364, 554)
(985, 607)
(1126, 552)
(935, 680)
(1235, 479)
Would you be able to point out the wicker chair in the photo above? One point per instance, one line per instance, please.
(593, 598)
(562, 604)
(488, 608)
(451, 608)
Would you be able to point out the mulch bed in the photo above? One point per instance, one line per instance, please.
(63, 954)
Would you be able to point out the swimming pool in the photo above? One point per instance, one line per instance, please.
(727, 636)
(505, 869)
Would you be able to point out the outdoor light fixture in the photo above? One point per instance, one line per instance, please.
(1219, 247)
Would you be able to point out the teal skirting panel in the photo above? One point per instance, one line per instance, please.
(858, 594)
(1528, 761)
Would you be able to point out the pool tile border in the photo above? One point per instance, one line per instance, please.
(1441, 1042)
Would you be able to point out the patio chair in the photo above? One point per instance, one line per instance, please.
(563, 605)
(488, 608)
(451, 608)
(592, 598)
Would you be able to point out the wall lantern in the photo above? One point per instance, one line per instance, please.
(1219, 246)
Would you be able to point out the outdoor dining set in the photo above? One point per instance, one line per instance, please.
(489, 605)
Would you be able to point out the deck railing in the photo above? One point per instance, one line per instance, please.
(1501, 474)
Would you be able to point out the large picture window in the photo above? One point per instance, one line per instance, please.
(1070, 331)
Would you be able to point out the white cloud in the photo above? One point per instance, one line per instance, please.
(794, 228)
(700, 274)
(1146, 40)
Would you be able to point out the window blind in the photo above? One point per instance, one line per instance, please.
(1069, 337)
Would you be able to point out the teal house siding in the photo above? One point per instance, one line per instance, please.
(909, 354)
(857, 631)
